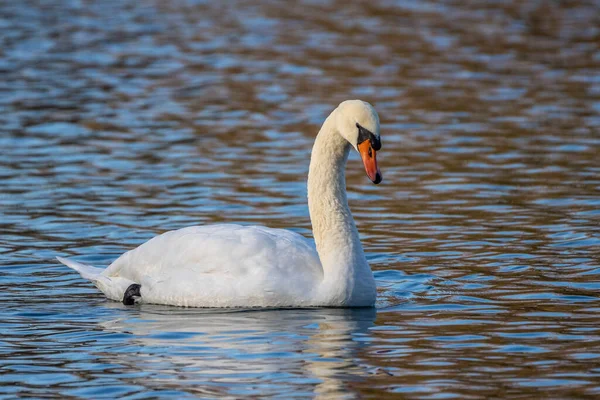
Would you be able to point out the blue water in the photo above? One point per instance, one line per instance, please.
(120, 120)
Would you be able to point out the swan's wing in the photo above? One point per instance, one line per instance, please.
(203, 265)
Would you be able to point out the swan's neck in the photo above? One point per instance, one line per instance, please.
(347, 275)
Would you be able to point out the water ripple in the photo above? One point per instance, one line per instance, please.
(124, 119)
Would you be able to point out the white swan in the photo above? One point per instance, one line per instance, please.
(255, 266)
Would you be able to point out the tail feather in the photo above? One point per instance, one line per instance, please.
(113, 287)
(85, 270)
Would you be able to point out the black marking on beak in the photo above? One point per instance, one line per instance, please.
(378, 179)
(365, 134)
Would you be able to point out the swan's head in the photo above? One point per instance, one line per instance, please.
(358, 122)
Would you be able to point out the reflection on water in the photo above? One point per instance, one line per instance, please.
(123, 119)
(226, 352)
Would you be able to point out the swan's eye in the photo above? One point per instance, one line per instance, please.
(365, 134)
(375, 142)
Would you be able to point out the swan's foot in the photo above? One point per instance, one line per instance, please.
(132, 294)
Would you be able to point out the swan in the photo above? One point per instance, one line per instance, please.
(229, 265)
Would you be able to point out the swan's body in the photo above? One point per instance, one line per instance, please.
(253, 266)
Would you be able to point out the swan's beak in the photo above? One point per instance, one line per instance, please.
(369, 158)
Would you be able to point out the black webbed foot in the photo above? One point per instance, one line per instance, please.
(131, 294)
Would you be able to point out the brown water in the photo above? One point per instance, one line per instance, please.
(122, 119)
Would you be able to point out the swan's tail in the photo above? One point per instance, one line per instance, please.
(113, 287)
(85, 270)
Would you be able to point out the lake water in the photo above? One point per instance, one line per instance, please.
(122, 119)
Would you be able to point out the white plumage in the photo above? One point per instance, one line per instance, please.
(253, 266)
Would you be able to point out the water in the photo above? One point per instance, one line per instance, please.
(122, 119)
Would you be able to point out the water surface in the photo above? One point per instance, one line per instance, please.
(122, 119)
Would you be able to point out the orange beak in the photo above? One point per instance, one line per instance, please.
(369, 158)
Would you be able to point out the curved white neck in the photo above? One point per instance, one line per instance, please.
(347, 275)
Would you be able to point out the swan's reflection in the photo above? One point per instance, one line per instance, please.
(246, 352)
